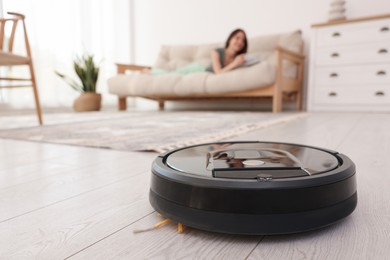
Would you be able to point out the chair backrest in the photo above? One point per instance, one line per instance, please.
(7, 42)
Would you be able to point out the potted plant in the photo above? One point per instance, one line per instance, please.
(88, 73)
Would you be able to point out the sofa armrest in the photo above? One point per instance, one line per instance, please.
(289, 55)
(293, 57)
(121, 68)
(281, 86)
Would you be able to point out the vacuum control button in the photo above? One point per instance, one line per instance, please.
(253, 162)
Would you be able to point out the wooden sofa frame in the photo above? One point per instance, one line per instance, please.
(282, 88)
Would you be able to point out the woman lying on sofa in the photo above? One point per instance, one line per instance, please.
(232, 56)
(222, 59)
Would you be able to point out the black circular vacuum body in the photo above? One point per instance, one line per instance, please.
(253, 187)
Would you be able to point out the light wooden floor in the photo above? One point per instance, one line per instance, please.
(61, 202)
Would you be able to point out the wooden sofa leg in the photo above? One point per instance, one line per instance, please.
(122, 105)
(277, 102)
(299, 101)
(161, 104)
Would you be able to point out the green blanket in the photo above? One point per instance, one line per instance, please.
(190, 68)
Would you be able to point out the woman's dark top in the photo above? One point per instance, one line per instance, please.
(221, 52)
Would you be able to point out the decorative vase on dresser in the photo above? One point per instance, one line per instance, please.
(350, 65)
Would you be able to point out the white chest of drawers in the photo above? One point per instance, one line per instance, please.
(350, 65)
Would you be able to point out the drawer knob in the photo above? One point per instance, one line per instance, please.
(332, 94)
(384, 29)
(381, 73)
(382, 51)
(379, 93)
(336, 34)
(334, 55)
(333, 75)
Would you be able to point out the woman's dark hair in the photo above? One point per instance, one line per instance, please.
(232, 34)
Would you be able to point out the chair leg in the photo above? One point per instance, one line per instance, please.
(36, 95)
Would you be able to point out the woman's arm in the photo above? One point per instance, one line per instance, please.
(215, 62)
(217, 66)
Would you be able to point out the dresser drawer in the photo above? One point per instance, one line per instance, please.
(353, 75)
(345, 96)
(364, 32)
(354, 54)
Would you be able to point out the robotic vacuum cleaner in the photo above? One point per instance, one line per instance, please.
(253, 188)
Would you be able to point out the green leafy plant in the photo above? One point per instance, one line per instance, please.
(87, 71)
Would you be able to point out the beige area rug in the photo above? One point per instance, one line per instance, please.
(141, 131)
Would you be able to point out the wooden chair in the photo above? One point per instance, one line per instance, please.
(8, 58)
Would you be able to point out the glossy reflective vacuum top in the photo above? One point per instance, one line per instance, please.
(252, 160)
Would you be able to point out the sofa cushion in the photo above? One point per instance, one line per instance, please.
(174, 57)
(161, 85)
(246, 78)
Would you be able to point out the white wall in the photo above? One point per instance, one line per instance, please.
(160, 22)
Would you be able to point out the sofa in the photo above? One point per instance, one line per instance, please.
(278, 75)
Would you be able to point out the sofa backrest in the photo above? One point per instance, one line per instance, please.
(175, 56)
(292, 41)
